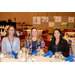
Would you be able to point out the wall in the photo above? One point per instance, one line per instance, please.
(28, 16)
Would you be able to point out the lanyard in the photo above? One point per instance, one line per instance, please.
(11, 43)
(56, 46)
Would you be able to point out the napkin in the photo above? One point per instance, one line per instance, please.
(70, 41)
(13, 53)
(70, 58)
(71, 36)
(49, 53)
(19, 32)
(34, 53)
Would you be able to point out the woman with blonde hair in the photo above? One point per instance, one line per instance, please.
(34, 42)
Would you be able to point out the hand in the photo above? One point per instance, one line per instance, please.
(5, 53)
(27, 51)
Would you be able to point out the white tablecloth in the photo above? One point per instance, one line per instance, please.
(70, 33)
(38, 59)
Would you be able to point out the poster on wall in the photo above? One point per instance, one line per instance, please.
(70, 19)
(51, 24)
(57, 18)
(64, 25)
(45, 18)
(36, 20)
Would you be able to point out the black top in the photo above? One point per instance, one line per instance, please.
(62, 46)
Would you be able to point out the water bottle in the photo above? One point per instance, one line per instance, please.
(16, 54)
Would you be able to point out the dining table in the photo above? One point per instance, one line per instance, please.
(37, 59)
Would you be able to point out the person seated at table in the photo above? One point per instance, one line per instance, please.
(34, 42)
(11, 41)
(58, 44)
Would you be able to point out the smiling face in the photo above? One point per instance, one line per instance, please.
(34, 33)
(11, 31)
(56, 34)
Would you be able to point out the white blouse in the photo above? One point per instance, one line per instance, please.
(7, 47)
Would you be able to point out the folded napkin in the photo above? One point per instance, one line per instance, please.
(49, 53)
(13, 53)
(70, 58)
(34, 53)
(19, 32)
(70, 41)
(71, 36)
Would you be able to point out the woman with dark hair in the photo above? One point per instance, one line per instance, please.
(58, 44)
(11, 41)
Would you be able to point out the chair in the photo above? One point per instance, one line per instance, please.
(25, 28)
(44, 32)
(22, 39)
(23, 22)
(22, 30)
(19, 22)
(44, 36)
(17, 29)
(46, 44)
(24, 33)
(2, 37)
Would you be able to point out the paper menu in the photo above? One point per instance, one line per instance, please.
(45, 18)
(70, 19)
(51, 24)
(57, 18)
(36, 20)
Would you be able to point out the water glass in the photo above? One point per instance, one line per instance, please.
(7, 54)
(0, 57)
(57, 57)
(10, 55)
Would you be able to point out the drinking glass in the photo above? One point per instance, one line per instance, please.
(7, 54)
(10, 55)
(57, 57)
(0, 57)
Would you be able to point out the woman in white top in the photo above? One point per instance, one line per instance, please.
(11, 41)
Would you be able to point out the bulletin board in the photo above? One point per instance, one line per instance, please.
(57, 22)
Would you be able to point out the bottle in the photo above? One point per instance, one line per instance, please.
(70, 51)
(16, 54)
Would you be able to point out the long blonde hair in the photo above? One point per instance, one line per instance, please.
(38, 37)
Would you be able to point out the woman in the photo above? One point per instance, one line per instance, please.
(11, 41)
(34, 42)
(58, 43)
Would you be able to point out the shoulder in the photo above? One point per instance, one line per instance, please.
(4, 39)
(16, 38)
(63, 40)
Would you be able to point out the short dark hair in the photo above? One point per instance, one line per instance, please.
(7, 33)
(53, 38)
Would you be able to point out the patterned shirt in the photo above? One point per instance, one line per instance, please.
(40, 44)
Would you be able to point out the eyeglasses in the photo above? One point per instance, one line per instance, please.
(11, 29)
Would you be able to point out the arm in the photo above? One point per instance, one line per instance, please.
(18, 45)
(3, 46)
(42, 45)
(66, 50)
(25, 45)
(49, 47)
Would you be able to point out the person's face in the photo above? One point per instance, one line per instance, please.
(11, 31)
(56, 34)
(34, 32)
